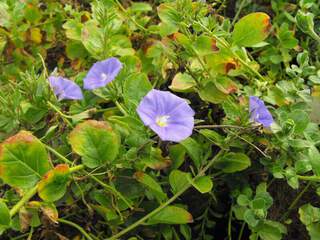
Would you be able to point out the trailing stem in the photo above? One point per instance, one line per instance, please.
(167, 203)
(31, 192)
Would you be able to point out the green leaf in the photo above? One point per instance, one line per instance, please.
(315, 105)
(306, 24)
(205, 45)
(91, 37)
(53, 186)
(168, 13)
(203, 184)
(226, 85)
(4, 15)
(232, 162)
(151, 184)
(75, 49)
(185, 230)
(136, 86)
(73, 29)
(250, 218)
(177, 155)
(222, 61)
(178, 180)
(96, 142)
(182, 82)
(258, 203)
(314, 231)
(243, 200)
(314, 159)
(140, 7)
(23, 160)
(213, 137)
(251, 29)
(155, 160)
(309, 214)
(171, 215)
(121, 45)
(270, 231)
(301, 120)
(194, 150)
(5, 214)
(211, 93)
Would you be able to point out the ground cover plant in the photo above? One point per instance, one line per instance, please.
(159, 119)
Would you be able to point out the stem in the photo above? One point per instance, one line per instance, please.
(31, 192)
(122, 110)
(238, 12)
(63, 158)
(251, 144)
(26, 197)
(30, 234)
(161, 207)
(113, 190)
(295, 201)
(84, 233)
(229, 224)
(142, 220)
(64, 117)
(106, 186)
(241, 230)
(142, 28)
(76, 168)
(219, 126)
(309, 178)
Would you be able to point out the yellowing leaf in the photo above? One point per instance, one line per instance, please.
(211, 93)
(53, 185)
(251, 29)
(23, 160)
(182, 82)
(203, 184)
(35, 35)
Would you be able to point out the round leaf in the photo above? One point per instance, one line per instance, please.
(95, 142)
(178, 180)
(251, 29)
(23, 160)
(182, 82)
(171, 215)
(54, 184)
(203, 184)
(233, 162)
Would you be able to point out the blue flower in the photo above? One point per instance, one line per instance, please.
(102, 73)
(259, 113)
(64, 88)
(166, 114)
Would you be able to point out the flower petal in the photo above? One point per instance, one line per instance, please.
(180, 121)
(64, 88)
(101, 73)
(259, 112)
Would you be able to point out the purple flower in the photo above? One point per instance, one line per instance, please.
(64, 88)
(259, 113)
(102, 73)
(166, 114)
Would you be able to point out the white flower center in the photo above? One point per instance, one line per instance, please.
(162, 121)
(104, 76)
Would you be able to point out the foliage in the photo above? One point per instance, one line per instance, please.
(96, 166)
